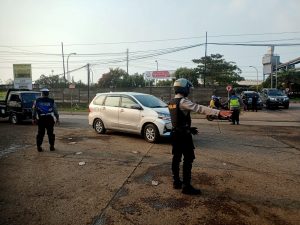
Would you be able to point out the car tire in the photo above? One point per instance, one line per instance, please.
(99, 126)
(210, 117)
(13, 118)
(286, 106)
(151, 134)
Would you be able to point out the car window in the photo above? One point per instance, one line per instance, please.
(150, 101)
(30, 97)
(127, 102)
(15, 98)
(275, 93)
(112, 101)
(99, 100)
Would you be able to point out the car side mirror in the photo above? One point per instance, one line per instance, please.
(136, 106)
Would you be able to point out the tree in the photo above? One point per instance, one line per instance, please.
(189, 74)
(164, 83)
(285, 79)
(112, 78)
(214, 70)
(50, 81)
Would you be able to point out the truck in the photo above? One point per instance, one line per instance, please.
(17, 105)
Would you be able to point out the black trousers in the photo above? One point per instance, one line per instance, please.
(45, 123)
(235, 116)
(182, 145)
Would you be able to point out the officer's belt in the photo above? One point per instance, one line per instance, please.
(47, 114)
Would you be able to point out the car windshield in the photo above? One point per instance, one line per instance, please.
(250, 95)
(275, 93)
(150, 101)
(29, 97)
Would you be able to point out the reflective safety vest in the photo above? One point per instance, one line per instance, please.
(234, 103)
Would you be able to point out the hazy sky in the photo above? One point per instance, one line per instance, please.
(100, 32)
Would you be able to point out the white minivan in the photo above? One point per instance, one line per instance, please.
(130, 112)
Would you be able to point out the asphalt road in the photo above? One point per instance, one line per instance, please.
(249, 174)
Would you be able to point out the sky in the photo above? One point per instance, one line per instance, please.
(100, 32)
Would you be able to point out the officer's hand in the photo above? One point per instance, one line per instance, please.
(57, 122)
(225, 114)
(194, 130)
(34, 121)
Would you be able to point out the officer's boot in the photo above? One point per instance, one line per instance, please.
(177, 183)
(187, 187)
(39, 142)
(51, 142)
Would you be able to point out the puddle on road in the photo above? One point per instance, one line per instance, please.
(12, 148)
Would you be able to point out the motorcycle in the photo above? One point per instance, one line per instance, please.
(221, 106)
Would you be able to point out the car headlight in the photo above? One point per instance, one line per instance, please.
(285, 98)
(163, 116)
(272, 99)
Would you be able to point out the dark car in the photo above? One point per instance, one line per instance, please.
(247, 98)
(272, 97)
(18, 105)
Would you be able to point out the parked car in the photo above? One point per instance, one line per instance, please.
(17, 105)
(272, 97)
(130, 112)
(247, 97)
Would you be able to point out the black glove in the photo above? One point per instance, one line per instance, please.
(194, 130)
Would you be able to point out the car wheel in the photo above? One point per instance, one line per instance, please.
(99, 126)
(151, 133)
(286, 106)
(13, 118)
(210, 117)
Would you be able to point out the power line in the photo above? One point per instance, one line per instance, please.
(154, 40)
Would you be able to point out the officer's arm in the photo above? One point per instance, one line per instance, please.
(186, 104)
(34, 110)
(55, 112)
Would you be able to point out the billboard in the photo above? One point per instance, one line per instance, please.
(22, 76)
(162, 74)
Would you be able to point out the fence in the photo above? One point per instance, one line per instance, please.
(83, 96)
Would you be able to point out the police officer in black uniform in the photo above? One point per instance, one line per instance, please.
(45, 114)
(182, 141)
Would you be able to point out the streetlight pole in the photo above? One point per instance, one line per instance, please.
(68, 74)
(256, 77)
(156, 65)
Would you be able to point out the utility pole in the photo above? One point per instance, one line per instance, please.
(88, 81)
(62, 49)
(63, 93)
(127, 59)
(204, 75)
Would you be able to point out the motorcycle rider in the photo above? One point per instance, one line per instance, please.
(214, 102)
(182, 142)
(45, 114)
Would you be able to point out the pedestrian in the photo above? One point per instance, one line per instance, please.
(245, 102)
(45, 115)
(182, 142)
(234, 105)
(254, 102)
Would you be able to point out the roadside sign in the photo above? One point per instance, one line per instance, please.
(71, 86)
(22, 76)
(229, 88)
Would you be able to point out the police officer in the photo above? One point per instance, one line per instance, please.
(234, 104)
(45, 114)
(182, 142)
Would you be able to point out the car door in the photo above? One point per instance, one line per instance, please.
(110, 111)
(129, 118)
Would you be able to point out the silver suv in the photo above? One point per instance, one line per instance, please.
(130, 112)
